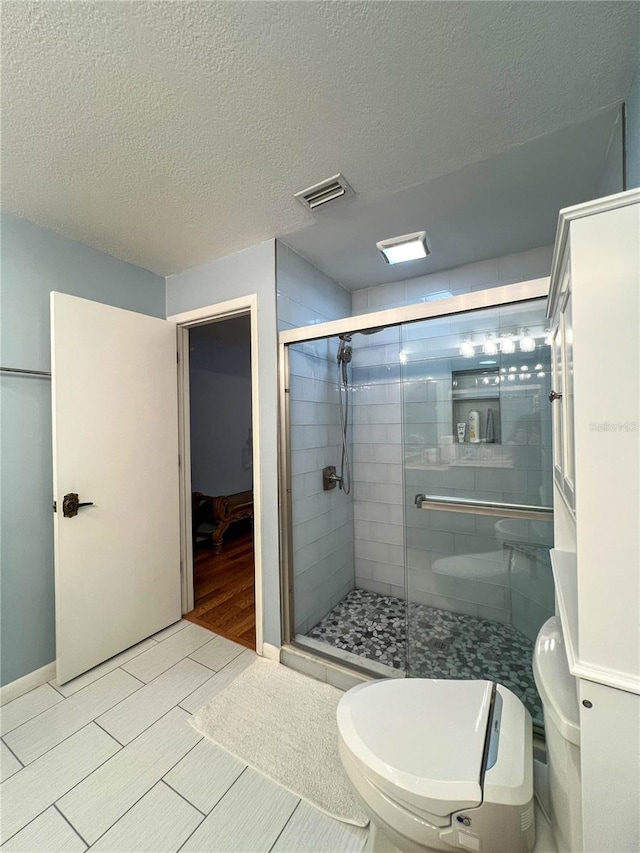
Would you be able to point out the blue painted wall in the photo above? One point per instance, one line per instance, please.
(633, 133)
(35, 262)
(249, 271)
(220, 397)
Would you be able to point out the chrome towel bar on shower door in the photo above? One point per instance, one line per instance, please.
(467, 505)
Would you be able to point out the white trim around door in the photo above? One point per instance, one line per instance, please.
(201, 317)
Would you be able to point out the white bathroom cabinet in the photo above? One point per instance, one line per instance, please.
(594, 313)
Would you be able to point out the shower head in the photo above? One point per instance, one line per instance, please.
(348, 336)
(344, 351)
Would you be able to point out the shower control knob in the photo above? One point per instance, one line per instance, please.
(555, 395)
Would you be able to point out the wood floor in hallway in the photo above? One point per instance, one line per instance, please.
(224, 588)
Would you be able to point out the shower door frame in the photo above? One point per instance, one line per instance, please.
(496, 297)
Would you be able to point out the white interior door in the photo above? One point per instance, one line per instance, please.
(115, 443)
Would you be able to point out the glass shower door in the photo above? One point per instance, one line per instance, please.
(478, 494)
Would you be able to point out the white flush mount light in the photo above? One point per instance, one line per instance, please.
(527, 342)
(408, 247)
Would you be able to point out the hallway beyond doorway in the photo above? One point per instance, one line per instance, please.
(224, 591)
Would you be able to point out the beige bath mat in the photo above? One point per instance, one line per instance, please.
(283, 724)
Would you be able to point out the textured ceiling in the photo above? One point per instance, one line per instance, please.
(171, 133)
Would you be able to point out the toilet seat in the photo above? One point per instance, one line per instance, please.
(421, 741)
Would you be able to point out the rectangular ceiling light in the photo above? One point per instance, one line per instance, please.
(408, 247)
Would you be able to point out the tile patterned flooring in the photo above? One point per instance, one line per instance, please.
(375, 627)
(109, 762)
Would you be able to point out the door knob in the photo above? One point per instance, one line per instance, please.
(71, 505)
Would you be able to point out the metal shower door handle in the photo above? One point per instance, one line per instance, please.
(445, 503)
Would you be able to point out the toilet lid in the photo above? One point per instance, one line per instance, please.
(423, 739)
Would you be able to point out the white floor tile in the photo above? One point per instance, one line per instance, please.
(312, 831)
(218, 682)
(158, 823)
(9, 764)
(48, 833)
(39, 735)
(170, 630)
(217, 653)
(99, 801)
(153, 663)
(33, 789)
(24, 708)
(97, 672)
(249, 817)
(135, 714)
(204, 775)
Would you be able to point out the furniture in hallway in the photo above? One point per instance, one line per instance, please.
(221, 511)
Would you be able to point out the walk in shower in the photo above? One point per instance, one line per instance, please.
(417, 467)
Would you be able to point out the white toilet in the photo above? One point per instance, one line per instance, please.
(562, 787)
(440, 765)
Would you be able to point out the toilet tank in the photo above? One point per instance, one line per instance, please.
(559, 693)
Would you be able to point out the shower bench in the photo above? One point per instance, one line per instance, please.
(222, 511)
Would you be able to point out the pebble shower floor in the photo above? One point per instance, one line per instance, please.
(442, 644)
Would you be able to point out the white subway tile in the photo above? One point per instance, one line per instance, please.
(360, 301)
(387, 294)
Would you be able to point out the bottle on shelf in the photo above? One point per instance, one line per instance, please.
(474, 426)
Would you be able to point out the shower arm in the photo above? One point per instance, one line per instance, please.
(469, 506)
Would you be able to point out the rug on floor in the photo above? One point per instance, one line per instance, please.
(283, 724)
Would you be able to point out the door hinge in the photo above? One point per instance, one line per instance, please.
(181, 567)
(178, 356)
(55, 506)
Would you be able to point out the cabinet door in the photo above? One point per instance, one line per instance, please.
(568, 446)
(558, 426)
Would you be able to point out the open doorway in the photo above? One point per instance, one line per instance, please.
(221, 468)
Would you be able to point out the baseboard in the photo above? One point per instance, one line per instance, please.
(23, 685)
(271, 652)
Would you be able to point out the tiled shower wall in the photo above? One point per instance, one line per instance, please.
(377, 463)
(509, 269)
(322, 523)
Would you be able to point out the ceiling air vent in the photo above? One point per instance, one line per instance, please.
(324, 192)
